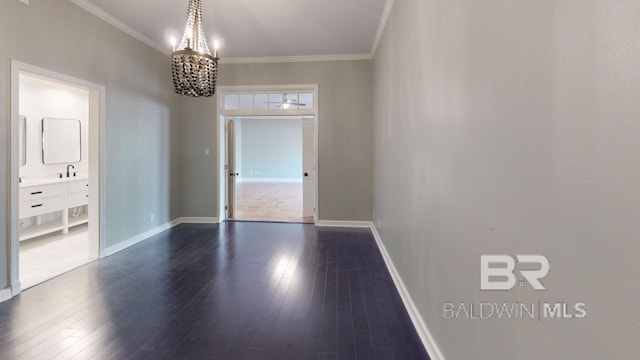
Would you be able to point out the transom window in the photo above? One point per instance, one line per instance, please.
(287, 101)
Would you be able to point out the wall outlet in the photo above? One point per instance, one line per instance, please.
(152, 217)
(207, 152)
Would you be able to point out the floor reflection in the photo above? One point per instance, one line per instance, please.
(228, 291)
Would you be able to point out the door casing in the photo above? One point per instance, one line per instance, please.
(97, 105)
(308, 165)
(223, 114)
(230, 166)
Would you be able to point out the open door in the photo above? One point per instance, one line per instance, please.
(231, 168)
(308, 168)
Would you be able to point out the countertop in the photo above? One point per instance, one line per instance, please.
(26, 182)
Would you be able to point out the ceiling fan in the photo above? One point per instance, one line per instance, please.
(285, 103)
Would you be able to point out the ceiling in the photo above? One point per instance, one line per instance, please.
(256, 28)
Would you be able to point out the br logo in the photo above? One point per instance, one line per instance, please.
(497, 272)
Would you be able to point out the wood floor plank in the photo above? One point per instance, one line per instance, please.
(238, 290)
(270, 201)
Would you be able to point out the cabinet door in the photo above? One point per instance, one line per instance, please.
(78, 198)
(78, 186)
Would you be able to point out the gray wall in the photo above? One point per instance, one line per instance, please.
(142, 131)
(199, 174)
(272, 147)
(345, 135)
(515, 125)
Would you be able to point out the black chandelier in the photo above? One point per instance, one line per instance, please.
(194, 69)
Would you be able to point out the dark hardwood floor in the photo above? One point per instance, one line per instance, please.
(229, 291)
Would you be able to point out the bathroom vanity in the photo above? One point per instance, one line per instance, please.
(52, 205)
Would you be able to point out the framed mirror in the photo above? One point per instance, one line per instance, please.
(61, 141)
(22, 140)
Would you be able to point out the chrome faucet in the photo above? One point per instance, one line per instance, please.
(73, 167)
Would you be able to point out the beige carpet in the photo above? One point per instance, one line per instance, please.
(270, 202)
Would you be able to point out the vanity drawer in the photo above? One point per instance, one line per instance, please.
(77, 186)
(41, 191)
(79, 198)
(41, 206)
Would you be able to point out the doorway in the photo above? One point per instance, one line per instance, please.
(55, 168)
(267, 146)
(271, 168)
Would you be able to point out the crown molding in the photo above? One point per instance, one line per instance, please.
(302, 58)
(26, 2)
(93, 9)
(110, 19)
(383, 24)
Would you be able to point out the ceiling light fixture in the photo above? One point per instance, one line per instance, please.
(194, 69)
(287, 104)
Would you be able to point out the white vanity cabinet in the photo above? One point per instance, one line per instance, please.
(50, 203)
(37, 200)
(77, 195)
(41, 199)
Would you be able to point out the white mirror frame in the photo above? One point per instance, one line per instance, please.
(61, 141)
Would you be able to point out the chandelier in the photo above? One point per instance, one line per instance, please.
(194, 69)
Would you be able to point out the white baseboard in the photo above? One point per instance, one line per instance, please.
(5, 294)
(416, 318)
(269, 180)
(199, 220)
(16, 288)
(339, 223)
(139, 238)
(424, 333)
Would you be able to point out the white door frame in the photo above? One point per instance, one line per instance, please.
(222, 114)
(97, 102)
(230, 149)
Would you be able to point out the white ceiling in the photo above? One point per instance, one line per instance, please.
(256, 28)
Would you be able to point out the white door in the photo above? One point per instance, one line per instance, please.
(231, 169)
(222, 171)
(308, 168)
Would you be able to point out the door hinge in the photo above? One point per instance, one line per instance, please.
(226, 207)
(226, 167)
(314, 210)
(226, 127)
